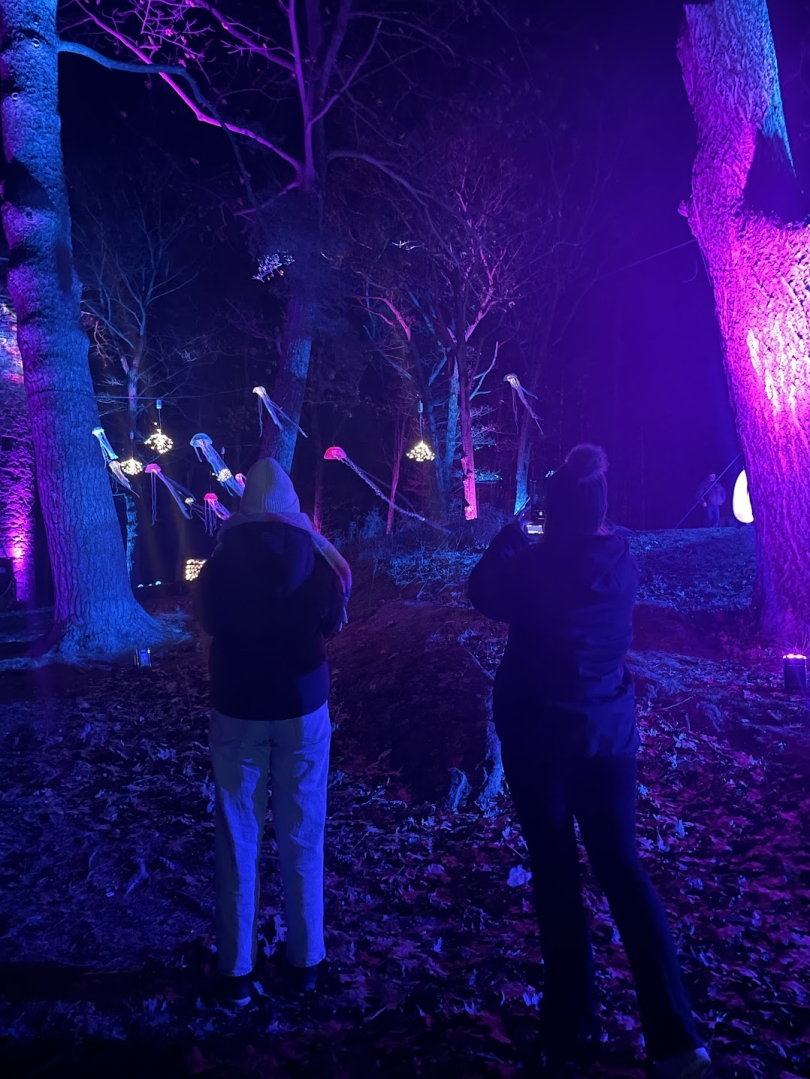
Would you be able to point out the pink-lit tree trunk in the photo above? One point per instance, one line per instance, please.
(95, 610)
(17, 481)
(758, 266)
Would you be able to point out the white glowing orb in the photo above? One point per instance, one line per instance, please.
(132, 466)
(224, 475)
(741, 502)
(159, 442)
(421, 452)
(193, 567)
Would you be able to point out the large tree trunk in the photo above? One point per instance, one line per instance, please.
(290, 384)
(95, 610)
(758, 266)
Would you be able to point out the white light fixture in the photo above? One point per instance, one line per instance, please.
(132, 466)
(741, 501)
(421, 452)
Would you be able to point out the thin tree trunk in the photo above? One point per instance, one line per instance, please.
(524, 458)
(467, 447)
(95, 610)
(399, 451)
(317, 501)
(758, 267)
(446, 457)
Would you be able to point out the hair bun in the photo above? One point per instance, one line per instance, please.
(586, 462)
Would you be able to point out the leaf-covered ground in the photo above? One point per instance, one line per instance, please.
(106, 955)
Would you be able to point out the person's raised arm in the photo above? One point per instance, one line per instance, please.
(493, 586)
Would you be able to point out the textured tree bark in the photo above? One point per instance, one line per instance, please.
(17, 481)
(95, 610)
(290, 384)
(758, 265)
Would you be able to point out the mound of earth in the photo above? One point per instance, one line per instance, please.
(407, 688)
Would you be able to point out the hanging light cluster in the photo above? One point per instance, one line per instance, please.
(159, 442)
(421, 452)
(132, 466)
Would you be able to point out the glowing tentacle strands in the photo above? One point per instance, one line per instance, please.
(204, 447)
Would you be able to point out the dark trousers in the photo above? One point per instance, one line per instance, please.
(711, 516)
(600, 793)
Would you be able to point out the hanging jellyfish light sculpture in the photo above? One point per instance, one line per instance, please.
(181, 495)
(335, 453)
(111, 458)
(520, 393)
(277, 414)
(204, 447)
(214, 512)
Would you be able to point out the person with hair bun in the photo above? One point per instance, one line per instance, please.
(564, 708)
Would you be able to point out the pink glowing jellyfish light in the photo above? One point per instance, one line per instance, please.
(214, 511)
(183, 497)
(336, 453)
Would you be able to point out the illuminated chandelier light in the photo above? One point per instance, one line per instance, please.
(421, 452)
(159, 442)
(193, 567)
(132, 466)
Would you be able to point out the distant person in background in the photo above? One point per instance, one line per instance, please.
(564, 708)
(711, 495)
(270, 595)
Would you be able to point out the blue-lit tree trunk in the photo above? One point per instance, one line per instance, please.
(95, 610)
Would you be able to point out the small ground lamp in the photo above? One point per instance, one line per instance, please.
(794, 666)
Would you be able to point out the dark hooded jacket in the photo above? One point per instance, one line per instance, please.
(562, 684)
(269, 600)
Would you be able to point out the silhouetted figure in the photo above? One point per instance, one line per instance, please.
(564, 709)
(711, 495)
(271, 593)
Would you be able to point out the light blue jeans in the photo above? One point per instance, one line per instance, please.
(294, 754)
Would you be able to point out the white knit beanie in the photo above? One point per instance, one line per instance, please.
(268, 489)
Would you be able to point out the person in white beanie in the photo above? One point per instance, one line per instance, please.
(269, 596)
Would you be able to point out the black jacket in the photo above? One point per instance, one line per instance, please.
(569, 604)
(269, 600)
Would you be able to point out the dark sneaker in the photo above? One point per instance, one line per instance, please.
(234, 992)
(693, 1064)
(305, 979)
